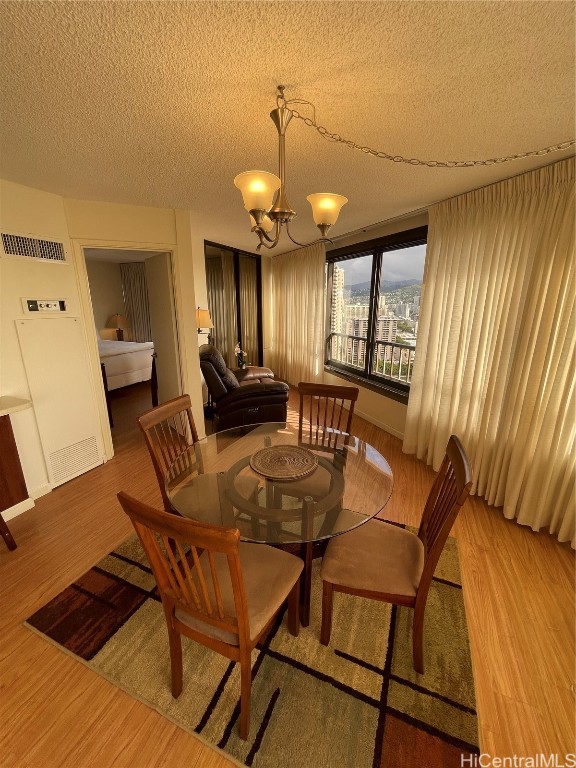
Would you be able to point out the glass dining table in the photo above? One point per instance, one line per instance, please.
(279, 490)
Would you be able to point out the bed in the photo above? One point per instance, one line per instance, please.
(124, 363)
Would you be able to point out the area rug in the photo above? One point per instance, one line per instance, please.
(355, 704)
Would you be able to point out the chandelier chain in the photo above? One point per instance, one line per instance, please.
(335, 137)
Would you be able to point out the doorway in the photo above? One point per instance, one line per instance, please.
(132, 298)
(234, 288)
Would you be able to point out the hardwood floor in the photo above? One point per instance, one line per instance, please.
(518, 587)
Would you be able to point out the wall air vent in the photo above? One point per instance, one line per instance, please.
(32, 248)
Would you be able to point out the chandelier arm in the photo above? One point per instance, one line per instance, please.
(335, 137)
(265, 237)
(305, 245)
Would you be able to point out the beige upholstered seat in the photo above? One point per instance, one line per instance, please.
(220, 593)
(392, 559)
(387, 563)
(269, 575)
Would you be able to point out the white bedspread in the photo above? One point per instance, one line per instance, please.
(110, 348)
(126, 362)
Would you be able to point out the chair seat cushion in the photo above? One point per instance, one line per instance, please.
(269, 575)
(376, 557)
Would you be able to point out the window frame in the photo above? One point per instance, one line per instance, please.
(377, 248)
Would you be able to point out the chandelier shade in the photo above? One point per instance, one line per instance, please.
(326, 207)
(266, 223)
(258, 189)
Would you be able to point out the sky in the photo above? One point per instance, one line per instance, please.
(403, 264)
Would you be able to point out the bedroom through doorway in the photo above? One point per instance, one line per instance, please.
(131, 293)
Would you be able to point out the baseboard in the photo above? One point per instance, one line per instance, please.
(381, 424)
(17, 509)
(41, 490)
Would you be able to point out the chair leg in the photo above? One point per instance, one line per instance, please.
(245, 693)
(306, 591)
(175, 643)
(327, 601)
(294, 609)
(418, 639)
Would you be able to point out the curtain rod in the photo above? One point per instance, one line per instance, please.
(406, 215)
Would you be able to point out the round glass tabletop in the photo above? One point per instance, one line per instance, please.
(277, 490)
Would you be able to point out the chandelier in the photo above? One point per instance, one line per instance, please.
(264, 194)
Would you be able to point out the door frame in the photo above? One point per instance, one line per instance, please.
(86, 309)
(236, 252)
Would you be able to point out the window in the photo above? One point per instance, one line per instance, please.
(373, 306)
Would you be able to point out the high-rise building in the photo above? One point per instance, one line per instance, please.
(337, 318)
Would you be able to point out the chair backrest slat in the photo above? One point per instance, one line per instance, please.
(169, 430)
(448, 493)
(184, 579)
(328, 409)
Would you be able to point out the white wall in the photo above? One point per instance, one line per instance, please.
(28, 211)
(78, 224)
(107, 296)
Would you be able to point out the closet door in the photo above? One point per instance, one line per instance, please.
(234, 288)
(248, 301)
(62, 394)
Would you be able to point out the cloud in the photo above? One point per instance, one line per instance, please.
(403, 264)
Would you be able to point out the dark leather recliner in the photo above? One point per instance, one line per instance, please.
(245, 396)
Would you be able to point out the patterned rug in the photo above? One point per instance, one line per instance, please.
(355, 704)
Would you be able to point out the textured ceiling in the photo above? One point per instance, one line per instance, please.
(162, 104)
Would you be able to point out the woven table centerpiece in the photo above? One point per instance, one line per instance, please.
(284, 462)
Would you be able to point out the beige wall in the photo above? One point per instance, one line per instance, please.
(78, 224)
(106, 294)
(26, 211)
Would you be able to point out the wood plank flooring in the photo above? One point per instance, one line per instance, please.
(54, 712)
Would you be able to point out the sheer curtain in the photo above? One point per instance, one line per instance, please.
(248, 308)
(298, 314)
(496, 342)
(135, 289)
(222, 304)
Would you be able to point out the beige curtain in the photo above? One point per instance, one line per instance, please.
(135, 289)
(298, 281)
(496, 342)
(249, 308)
(222, 304)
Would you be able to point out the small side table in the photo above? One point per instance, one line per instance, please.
(12, 484)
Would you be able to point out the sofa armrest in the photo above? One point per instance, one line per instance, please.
(252, 373)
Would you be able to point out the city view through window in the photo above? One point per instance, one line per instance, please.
(385, 349)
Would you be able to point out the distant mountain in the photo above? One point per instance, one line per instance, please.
(387, 285)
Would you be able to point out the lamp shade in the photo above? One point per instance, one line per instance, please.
(118, 321)
(203, 319)
(266, 224)
(258, 189)
(326, 207)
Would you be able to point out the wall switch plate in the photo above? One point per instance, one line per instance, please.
(44, 305)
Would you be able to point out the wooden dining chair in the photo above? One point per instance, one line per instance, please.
(326, 412)
(169, 430)
(324, 424)
(384, 562)
(216, 590)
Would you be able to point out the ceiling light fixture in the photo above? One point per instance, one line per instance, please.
(264, 193)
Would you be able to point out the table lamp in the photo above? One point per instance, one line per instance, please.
(203, 320)
(119, 322)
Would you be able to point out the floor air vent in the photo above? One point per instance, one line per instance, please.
(32, 248)
(74, 460)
